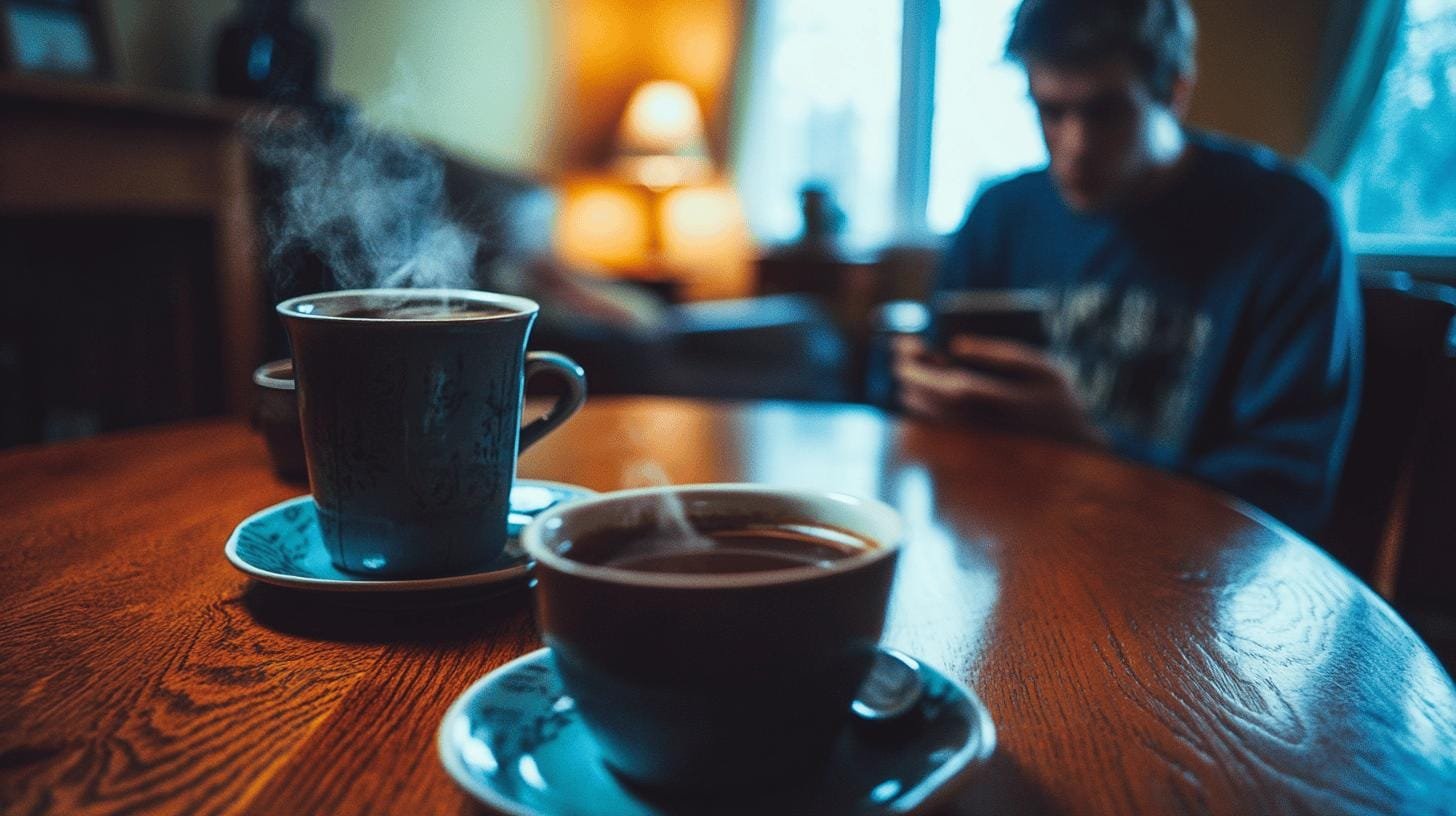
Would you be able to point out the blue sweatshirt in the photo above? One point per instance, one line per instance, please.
(1214, 331)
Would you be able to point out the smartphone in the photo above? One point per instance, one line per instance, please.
(1010, 314)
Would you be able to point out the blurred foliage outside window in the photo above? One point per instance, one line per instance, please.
(1400, 184)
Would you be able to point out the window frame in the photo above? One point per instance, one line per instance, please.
(919, 37)
(1425, 259)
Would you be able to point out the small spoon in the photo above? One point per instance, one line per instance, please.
(891, 691)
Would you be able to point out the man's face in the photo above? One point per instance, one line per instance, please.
(1102, 127)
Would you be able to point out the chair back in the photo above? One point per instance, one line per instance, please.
(1407, 333)
(1426, 575)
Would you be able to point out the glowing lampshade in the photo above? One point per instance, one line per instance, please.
(660, 140)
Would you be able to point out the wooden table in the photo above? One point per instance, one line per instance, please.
(1144, 645)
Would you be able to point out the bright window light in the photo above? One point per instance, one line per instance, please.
(823, 107)
(1400, 185)
(985, 126)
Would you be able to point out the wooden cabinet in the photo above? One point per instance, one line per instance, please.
(135, 206)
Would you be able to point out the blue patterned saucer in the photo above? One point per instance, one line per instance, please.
(513, 740)
(282, 545)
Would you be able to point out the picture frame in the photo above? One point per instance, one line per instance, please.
(61, 38)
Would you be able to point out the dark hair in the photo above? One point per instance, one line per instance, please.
(1156, 36)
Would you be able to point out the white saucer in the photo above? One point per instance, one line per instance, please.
(513, 740)
(282, 545)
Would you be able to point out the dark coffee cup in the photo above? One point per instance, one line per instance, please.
(410, 402)
(275, 416)
(718, 659)
(1008, 314)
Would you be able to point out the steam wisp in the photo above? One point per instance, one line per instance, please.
(369, 205)
(675, 531)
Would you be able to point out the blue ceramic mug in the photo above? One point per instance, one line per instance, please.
(410, 402)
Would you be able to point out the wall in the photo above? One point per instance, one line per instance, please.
(1257, 69)
(606, 48)
(473, 75)
(538, 85)
(531, 84)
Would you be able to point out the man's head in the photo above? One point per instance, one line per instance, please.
(1110, 79)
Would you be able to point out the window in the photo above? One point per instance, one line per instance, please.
(1399, 189)
(985, 125)
(825, 105)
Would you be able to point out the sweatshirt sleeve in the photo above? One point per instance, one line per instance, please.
(1297, 386)
(968, 261)
(954, 270)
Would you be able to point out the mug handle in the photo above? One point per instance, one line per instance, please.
(542, 362)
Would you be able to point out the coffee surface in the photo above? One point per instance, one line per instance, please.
(426, 309)
(758, 548)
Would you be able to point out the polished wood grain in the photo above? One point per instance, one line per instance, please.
(1144, 644)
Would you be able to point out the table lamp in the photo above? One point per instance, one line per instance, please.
(659, 217)
(660, 142)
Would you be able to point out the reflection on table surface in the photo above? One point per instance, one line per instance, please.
(1143, 643)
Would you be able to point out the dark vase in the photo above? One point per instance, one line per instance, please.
(265, 52)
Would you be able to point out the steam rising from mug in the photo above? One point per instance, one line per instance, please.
(369, 204)
(670, 516)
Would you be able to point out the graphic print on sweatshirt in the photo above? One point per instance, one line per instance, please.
(1131, 357)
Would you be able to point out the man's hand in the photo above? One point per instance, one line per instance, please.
(993, 382)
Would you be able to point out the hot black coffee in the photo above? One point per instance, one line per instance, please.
(427, 309)
(736, 549)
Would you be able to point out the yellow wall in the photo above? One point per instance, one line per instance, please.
(474, 75)
(1257, 64)
(606, 48)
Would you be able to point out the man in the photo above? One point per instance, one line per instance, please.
(1207, 316)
